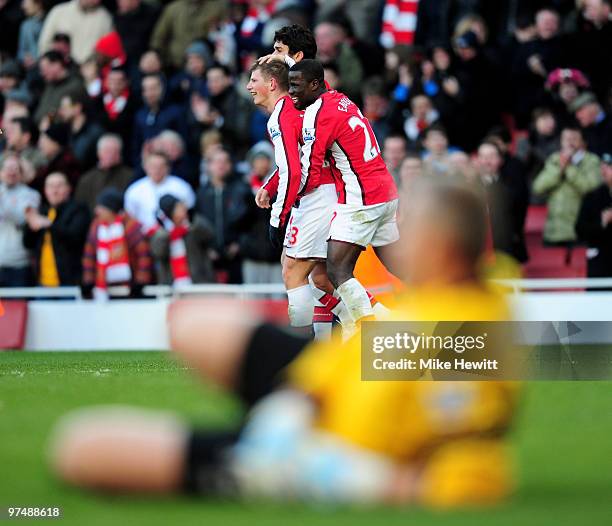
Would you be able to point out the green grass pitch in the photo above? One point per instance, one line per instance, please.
(562, 437)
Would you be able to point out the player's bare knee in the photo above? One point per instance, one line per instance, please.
(186, 320)
(201, 326)
(320, 279)
(295, 272)
(212, 337)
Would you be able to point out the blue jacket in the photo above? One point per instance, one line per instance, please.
(147, 125)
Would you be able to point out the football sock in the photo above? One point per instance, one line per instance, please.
(322, 322)
(333, 303)
(301, 308)
(323, 312)
(356, 299)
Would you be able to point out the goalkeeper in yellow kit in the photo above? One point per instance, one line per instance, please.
(316, 431)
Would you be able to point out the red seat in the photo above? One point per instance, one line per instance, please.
(549, 262)
(13, 324)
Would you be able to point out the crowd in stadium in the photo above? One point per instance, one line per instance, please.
(127, 126)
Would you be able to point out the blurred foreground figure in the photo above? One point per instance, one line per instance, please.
(324, 435)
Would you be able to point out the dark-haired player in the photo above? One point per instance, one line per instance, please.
(334, 128)
(309, 221)
(301, 213)
(292, 44)
(295, 41)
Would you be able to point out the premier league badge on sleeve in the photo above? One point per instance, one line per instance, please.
(274, 132)
(309, 134)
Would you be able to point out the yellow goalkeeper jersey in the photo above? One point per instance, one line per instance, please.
(402, 419)
(447, 426)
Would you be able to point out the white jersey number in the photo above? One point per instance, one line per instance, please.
(370, 151)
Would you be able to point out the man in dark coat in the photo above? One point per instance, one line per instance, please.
(134, 21)
(110, 172)
(507, 197)
(533, 60)
(594, 121)
(261, 261)
(84, 130)
(480, 107)
(591, 42)
(59, 80)
(54, 145)
(11, 16)
(594, 224)
(226, 110)
(155, 116)
(116, 107)
(224, 201)
(56, 234)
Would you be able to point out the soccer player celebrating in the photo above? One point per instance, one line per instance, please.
(367, 199)
(306, 221)
(292, 44)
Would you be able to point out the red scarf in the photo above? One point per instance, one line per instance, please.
(422, 124)
(399, 22)
(115, 105)
(178, 255)
(112, 261)
(255, 16)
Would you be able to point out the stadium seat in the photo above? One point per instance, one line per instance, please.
(13, 319)
(549, 262)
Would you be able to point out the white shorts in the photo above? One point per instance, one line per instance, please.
(374, 225)
(308, 228)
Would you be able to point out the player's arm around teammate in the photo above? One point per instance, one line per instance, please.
(367, 196)
(306, 228)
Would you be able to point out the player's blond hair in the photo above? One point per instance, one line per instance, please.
(276, 70)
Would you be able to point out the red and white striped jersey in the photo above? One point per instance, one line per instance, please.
(399, 23)
(285, 129)
(334, 128)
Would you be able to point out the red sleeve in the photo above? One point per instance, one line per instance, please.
(285, 136)
(271, 184)
(318, 135)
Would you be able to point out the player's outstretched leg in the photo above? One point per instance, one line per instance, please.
(120, 449)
